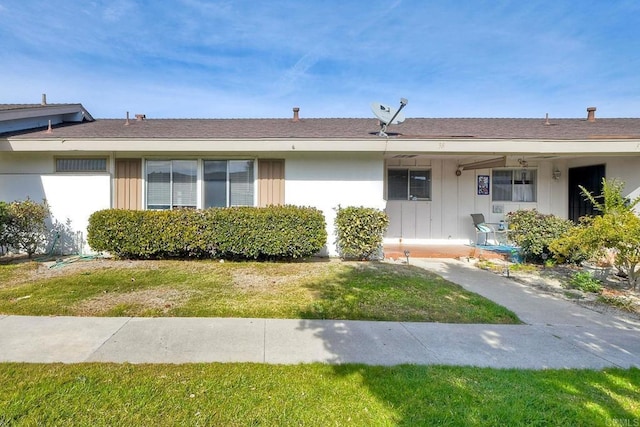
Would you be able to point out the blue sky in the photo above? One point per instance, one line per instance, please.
(197, 58)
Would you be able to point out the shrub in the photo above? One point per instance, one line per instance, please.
(616, 231)
(4, 227)
(360, 231)
(533, 232)
(26, 227)
(584, 281)
(569, 247)
(268, 233)
(275, 232)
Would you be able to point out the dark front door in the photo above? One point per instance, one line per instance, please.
(590, 177)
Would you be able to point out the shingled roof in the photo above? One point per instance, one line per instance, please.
(18, 111)
(343, 128)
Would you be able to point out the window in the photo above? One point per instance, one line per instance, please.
(81, 164)
(517, 185)
(228, 183)
(408, 184)
(171, 184)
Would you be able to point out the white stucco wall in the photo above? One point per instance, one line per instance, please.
(627, 169)
(71, 198)
(328, 181)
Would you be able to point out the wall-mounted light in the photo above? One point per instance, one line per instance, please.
(556, 174)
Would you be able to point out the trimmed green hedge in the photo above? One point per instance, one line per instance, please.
(274, 232)
(360, 232)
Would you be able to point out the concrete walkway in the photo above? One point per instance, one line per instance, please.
(557, 334)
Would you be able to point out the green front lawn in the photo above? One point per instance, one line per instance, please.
(311, 290)
(314, 395)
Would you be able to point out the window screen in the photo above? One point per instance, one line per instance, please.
(184, 191)
(78, 164)
(241, 183)
(158, 184)
(172, 184)
(408, 184)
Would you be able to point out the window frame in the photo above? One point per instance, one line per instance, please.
(532, 184)
(230, 183)
(200, 183)
(409, 171)
(172, 188)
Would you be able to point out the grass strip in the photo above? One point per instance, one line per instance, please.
(314, 394)
(308, 290)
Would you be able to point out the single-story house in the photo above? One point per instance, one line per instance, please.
(428, 174)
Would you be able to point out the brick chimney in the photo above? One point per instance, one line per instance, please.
(296, 116)
(591, 114)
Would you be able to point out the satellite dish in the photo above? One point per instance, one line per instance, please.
(387, 115)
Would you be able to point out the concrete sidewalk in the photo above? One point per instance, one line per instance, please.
(557, 334)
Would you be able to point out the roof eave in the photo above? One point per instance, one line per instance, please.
(381, 145)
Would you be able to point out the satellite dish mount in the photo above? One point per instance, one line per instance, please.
(387, 115)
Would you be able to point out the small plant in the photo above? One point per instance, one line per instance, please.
(584, 281)
(484, 264)
(524, 268)
(616, 300)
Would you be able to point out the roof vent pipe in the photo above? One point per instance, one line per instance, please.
(44, 99)
(296, 116)
(591, 114)
(127, 122)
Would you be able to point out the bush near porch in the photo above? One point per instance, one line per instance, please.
(274, 232)
(612, 237)
(360, 232)
(595, 261)
(533, 232)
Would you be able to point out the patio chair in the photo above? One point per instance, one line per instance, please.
(497, 231)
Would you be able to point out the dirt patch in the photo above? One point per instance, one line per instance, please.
(162, 300)
(62, 267)
(264, 281)
(78, 264)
